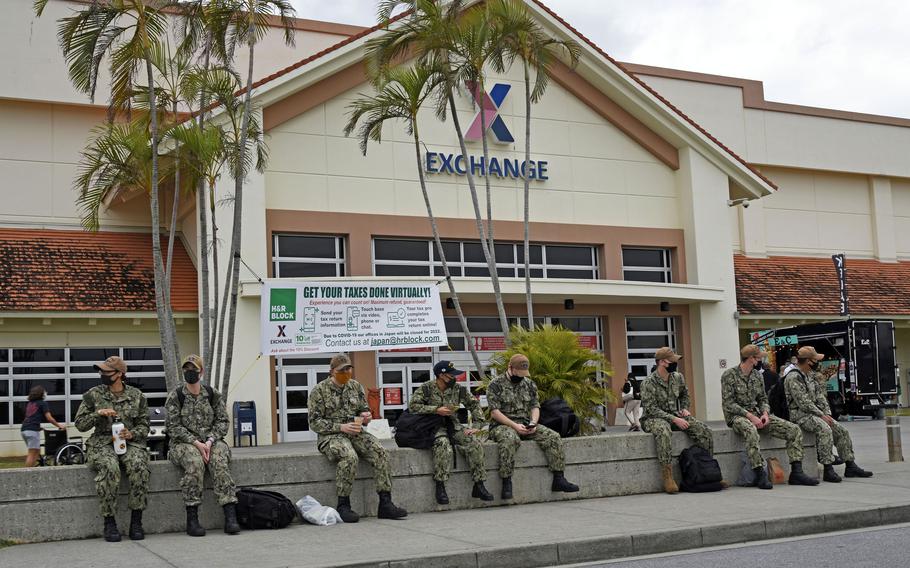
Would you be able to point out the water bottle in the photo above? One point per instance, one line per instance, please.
(119, 443)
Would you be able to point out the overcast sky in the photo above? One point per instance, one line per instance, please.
(842, 54)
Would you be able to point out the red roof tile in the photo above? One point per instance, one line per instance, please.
(45, 270)
(794, 285)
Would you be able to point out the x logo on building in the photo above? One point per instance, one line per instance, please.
(491, 103)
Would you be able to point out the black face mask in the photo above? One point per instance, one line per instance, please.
(813, 364)
(106, 379)
(671, 368)
(191, 376)
(515, 379)
(759, 366)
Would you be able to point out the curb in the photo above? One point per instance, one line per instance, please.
(639, 544)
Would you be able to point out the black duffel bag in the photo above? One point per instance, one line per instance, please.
(416, 430)
(700, 471)
(259, 509)
(556, 415)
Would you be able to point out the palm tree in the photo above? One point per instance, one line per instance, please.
(246, 23)
(427, 32)
(524, 39)
(125, 32)
(402, 92)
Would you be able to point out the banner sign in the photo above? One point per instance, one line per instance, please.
(840, 264)
(326, 317)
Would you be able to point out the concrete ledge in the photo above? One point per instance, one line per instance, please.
(59, 503)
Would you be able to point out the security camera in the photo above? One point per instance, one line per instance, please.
(734, 202)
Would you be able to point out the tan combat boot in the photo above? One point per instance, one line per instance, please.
(669, 483)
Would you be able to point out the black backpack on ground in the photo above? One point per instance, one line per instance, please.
(556, 415)
(259, 509)
(777, 400)
(700, 471)
(416, 430)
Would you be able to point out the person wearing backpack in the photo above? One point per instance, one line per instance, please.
(807, 399)
(746, 411)
(515, 408)
(197, 422)
(665, 399)
(442, 397)
(338, 412)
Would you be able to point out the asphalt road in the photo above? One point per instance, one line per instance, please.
(887, 547)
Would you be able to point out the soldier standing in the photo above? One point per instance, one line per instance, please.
(197, 423)
(746, 411)
(515, 409)
(807, 399)
(665, 398)
(338, 411)
(443, 397)
(100, 406)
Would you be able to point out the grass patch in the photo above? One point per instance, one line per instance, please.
(4, 543)
(10, 463)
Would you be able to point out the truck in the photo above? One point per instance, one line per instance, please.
(860, 356)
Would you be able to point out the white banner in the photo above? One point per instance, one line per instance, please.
(328, 317)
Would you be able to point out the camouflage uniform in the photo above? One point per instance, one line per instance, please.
(661, 400)
(807, 399)
(132, 409)
(198, 419)
(330, 406)
(516, 402)
(746, 393)
(426, 400)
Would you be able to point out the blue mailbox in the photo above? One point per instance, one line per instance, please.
(245, 422)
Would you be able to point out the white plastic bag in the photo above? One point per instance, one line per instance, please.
(313, 512)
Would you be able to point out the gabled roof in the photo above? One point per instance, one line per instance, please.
(805, 286)
(743, 173)
(65, 271)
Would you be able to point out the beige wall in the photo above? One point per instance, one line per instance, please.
(597, 174)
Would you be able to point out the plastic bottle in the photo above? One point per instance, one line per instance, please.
(119, 443)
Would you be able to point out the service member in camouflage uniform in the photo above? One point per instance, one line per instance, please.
(665, 399)
(515, 409)
(807, 398)
(335, 405)
(197, 423)
(443, 397)
(99, 408)
(746, 411)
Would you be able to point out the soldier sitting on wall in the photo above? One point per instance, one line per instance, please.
(443, 397)
(338, 411)
(197, 422)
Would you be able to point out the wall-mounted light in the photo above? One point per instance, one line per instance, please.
(450, 303)
(569, 304)
(665, 306)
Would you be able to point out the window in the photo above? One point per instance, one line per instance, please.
(302, 256)
(646, 265)
(409, 257)
(644, 336)
(67, 373)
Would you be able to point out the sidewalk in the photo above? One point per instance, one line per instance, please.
(532, 535)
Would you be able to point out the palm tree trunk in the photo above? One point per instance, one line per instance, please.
(218, 338)
(469, 341)
(478, 217)
(527, 196)
(203, 235)
(162, 295)
(481, 88)
(173, 230)
(238, 218)
(216, 319)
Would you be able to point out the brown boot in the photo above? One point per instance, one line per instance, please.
(666, 472)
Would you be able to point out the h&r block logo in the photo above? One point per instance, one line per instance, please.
(283, 304)
(490, 104)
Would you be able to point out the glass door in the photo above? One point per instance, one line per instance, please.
(397, 383)
(294, 385)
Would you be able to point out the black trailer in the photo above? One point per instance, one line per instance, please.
(863, 352)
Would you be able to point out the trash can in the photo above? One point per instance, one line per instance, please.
(245, 422)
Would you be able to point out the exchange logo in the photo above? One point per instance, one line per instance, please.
(491, 103)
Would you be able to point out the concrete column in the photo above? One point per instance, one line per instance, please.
(882, 219)
(703, 191)
(752, 228)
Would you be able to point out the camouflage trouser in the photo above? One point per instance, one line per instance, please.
(509, 441)
(469, 446)
(187, 458)
(699, 434)
(778, 428)
(345, 450)
(106, 465)
(826, 437)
